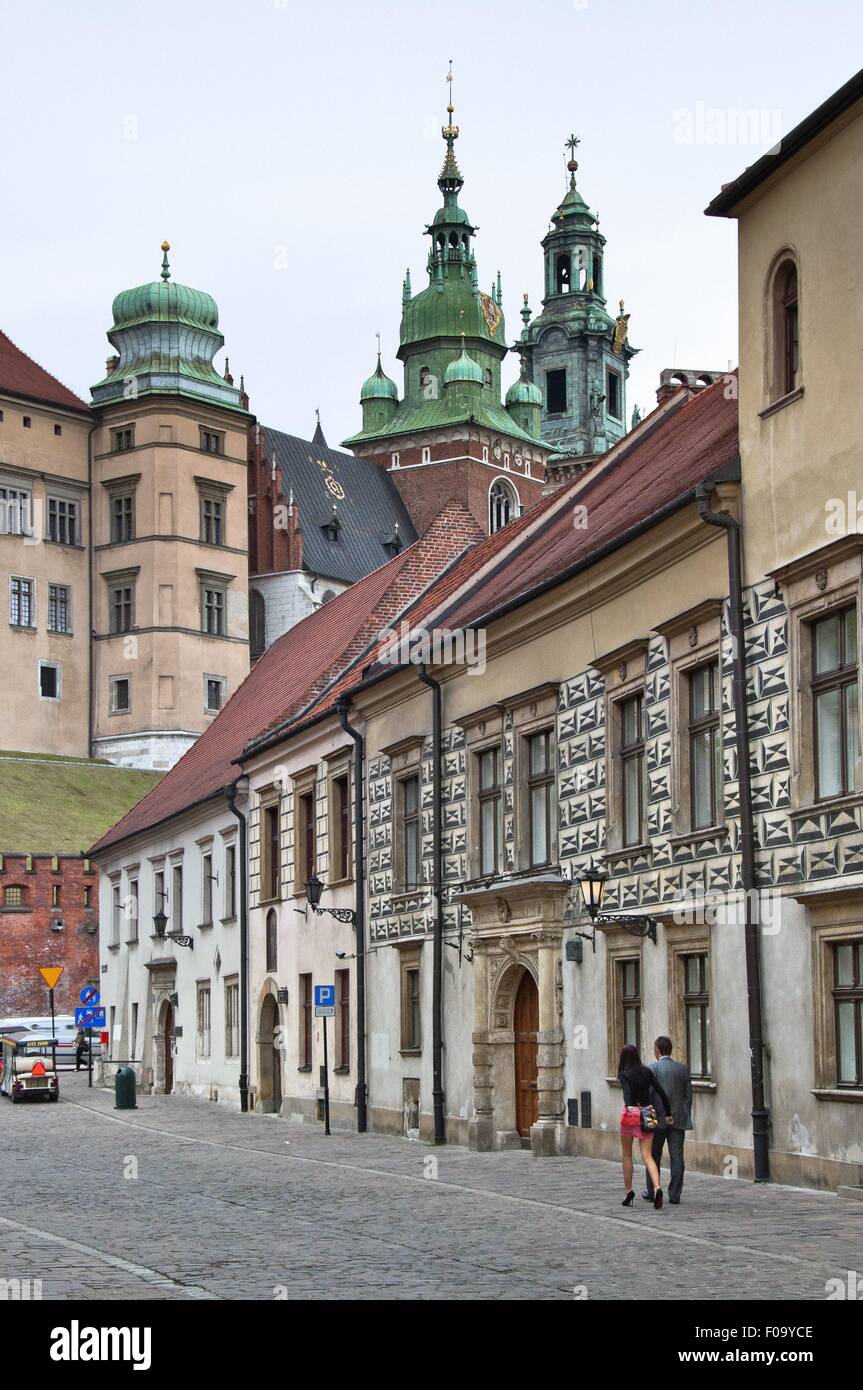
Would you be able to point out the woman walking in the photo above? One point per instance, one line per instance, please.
(639, 1085)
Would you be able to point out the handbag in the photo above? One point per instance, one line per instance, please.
(649, 1119)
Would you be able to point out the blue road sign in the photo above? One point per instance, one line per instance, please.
(89, 995)
(89, 1018)
(325, 1001)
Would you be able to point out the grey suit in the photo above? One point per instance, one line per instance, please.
(675, 1080)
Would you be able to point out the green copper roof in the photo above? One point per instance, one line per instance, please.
(378, 386)
(523, 392)
(463, 368)
(166, 336)
(456, 407)
(449, 310)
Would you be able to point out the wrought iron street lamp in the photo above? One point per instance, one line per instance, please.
(314, 889)
(592, 883)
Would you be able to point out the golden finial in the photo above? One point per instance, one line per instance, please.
(450, 131)
(166, 269)
(166, 246)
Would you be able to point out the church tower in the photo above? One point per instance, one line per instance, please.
(450, 435)
(574, 352)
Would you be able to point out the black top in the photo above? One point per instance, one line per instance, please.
(637, 1086)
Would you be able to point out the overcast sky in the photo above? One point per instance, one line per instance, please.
(289, 152)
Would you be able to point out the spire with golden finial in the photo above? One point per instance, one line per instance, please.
(450, 180)
(166, 269)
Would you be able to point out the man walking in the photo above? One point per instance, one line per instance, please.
(675, 1080)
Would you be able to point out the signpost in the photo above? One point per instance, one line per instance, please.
(51, 974)
(325, 1007)
(89, 1017)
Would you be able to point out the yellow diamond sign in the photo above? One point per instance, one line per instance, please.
(51, 974)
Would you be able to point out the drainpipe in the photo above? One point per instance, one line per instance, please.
(361, 1098)
(437, 889)
(91, 645)
(760, 1117)
(231, 797)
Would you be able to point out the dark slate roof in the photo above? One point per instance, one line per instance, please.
(368, 505)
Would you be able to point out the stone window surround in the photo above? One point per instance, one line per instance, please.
(813, 587)
(624, 673)
(533, 711)
(687, 939)
(339, 764)
(835, 916)
(483, 729)
(693, 639)
(112, 687)
(619, 946)
(303, 783)
(405, 758)
(410, 957)
(773, 388)
(126, 486)
(228, 836)
(213, 490)
(126, 578)
(268, 797)
(218, 581)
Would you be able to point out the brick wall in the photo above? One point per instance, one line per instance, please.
(27, 940)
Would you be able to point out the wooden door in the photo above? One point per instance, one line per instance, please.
(525, 1025)
(277, 1078)
(169, 1050)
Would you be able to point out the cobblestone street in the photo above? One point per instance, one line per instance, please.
(183, 1199)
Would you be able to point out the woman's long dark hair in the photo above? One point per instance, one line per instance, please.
(629, 1060)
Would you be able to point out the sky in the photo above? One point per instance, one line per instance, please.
(290, 151)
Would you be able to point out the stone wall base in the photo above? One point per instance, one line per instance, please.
(724, 1160)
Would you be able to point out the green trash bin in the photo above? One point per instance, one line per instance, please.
(124, 1089)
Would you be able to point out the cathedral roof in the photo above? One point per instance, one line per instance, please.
(368, 505)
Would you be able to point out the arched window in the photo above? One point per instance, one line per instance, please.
(786, 330)
(502, 504)
(425, 377)
(488, 378)
(563, 274)
(257, 624)
(272, 947)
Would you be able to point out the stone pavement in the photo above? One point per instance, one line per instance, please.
(186, 1199)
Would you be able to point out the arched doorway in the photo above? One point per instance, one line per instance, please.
(525, 1022)
(270, 1056)
(168, 1044)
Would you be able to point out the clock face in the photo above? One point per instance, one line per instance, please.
(490, 312)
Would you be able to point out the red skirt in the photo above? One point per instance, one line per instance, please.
(630, 1123)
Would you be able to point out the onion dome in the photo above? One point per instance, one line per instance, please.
(166, 336)
(379, 387)
(523, 392)
(463, 369)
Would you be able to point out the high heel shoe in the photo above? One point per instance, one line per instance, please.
(628, 1199)
(657, 1199)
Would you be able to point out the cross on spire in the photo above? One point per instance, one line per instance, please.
(572, 145)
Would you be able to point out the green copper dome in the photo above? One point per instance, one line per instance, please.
(463, 368)
(523, 392)
(166, 336)
(379, 386)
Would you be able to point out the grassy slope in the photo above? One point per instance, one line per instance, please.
(60, 806)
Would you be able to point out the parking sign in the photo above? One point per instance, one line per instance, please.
(325, 1001)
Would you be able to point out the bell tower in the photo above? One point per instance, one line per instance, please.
(450, 435)
(574, 352)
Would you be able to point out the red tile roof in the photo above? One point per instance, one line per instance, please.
(675, 449)
(296, 667)
(21, 376)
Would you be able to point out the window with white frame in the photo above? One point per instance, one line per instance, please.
(49, 680)
(202, 1029)
(16, 511)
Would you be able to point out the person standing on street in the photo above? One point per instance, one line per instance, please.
(638, 1118)
(80, 1045)
(675, 1080)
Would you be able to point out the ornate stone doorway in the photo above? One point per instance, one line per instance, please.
(163, 1050)
(518, 1013)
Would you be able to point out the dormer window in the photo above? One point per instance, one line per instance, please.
(393, 545)
(332, 528)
